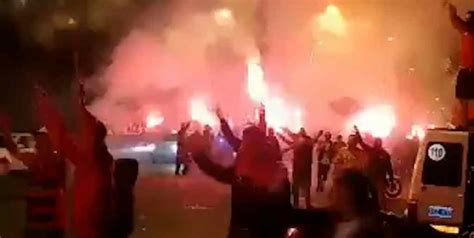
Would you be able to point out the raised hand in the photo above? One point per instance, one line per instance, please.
(320, 133)
(219, 113)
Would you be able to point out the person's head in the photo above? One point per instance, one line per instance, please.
(327, 135)
(255, 157)
(339, 138)
(42, 142)
(353, 195)
(302, 132)
(352, 141)
(271, 132)
(378, 143)
(207, 130)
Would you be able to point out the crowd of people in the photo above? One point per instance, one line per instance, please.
(264, 198)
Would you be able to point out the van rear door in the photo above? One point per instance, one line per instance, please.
(441, 195)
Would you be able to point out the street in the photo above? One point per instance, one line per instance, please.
(189, 206)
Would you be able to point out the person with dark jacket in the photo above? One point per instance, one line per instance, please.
(325, 156)
(181, 153)
(260, 190)
(124, 177)
(378, 167)
(274, 140)
(302, 146)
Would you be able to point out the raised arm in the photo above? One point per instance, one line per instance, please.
(286, 140)
(458, 23)
(229, 136)
(214, 170)
(200, 149)
(359, 138)
(262, 121)
(316, 138)
(53, 122)
(291, 134)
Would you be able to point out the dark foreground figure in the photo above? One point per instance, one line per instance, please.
(260, 196)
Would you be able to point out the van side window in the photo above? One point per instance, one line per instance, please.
(443, 164)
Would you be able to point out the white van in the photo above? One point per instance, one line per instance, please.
(441, 191)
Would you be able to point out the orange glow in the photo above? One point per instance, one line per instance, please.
(280, 114)
(257, 88)
(200, 112)
(378, 120)
(332, 21)
(417, 131)
(224, 17)
(154, 119)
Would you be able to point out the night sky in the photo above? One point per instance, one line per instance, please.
(37, 44)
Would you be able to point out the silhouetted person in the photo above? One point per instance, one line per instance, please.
(125, 175)
(465, 79)
(350, 157)
(354, 200)
(325, 156)
(93, 167)
(260, 190)
(379, 167)
(181, 152)
(302, 146)
(229, 136)
(339, 143)
(353, 211)
(273, 140)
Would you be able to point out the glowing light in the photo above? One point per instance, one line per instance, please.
(332, 21)
(224, 17)
(174, 148)
(446, 229)
(291, 232)
(378, 121)
(153, 120)
(280, 114)
(417, 131)
(257, 88)
(200, 112)
(144, 148)
(71, 21)
(390, 38)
